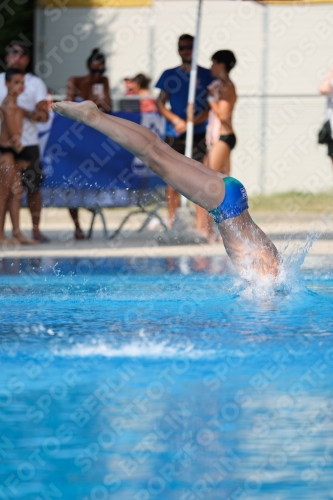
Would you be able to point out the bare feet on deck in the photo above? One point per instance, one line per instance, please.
(85, 112)
(9, 242)
(22, 239)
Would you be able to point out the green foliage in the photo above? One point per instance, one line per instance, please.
(293, 201)
(16, 23)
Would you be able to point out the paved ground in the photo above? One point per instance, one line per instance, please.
(56, 223)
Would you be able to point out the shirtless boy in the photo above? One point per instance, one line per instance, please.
(13, 158)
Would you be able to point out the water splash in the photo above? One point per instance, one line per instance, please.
(56, 271)
(136, 349)
(292, 257)
(289, 281)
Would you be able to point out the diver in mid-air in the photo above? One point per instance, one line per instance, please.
(249, 248)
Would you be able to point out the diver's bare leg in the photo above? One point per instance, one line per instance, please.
(197, 182)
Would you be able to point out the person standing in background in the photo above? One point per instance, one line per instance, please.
(12, 157)
(141, 87)
(222, 99)
(220, 137)
(33, 102)
(326, 88)
(128, 83)
(174, 86)
(94, 87)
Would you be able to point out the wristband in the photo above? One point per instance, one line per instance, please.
(211, 98)
(30, 115)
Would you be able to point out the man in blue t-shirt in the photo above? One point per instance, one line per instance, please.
(174, 85)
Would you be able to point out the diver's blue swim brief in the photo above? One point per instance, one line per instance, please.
(234, 203)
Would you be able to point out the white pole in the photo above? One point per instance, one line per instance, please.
(264, 98)
(191, 94)
(151, 41)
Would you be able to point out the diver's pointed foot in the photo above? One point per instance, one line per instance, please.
(85, 112)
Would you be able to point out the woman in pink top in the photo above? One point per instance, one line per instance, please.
(141, 87)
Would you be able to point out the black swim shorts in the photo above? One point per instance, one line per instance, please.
(199, 145)
(32, 177)
(23, 155)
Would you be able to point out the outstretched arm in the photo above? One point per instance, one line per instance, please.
(197, 182)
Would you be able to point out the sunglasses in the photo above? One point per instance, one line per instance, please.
(14, 52)
(185, 47)
(94, 71)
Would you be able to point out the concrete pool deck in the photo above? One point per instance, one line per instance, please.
(56, 223)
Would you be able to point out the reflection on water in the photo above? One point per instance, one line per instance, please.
(158, 379)
(134, 265)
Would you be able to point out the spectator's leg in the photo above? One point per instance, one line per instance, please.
(201, 215)
(32, 180)
(4, 193)
(173, 203)
(212, 235)
(172, 196)
(201, 220)
(217, 159)
(14, 210)
(7, 172)
(15, 204)
(78, 234)
(35, 204)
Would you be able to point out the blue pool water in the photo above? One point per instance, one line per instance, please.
(163, 379)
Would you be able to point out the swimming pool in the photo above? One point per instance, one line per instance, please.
(144, 379)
